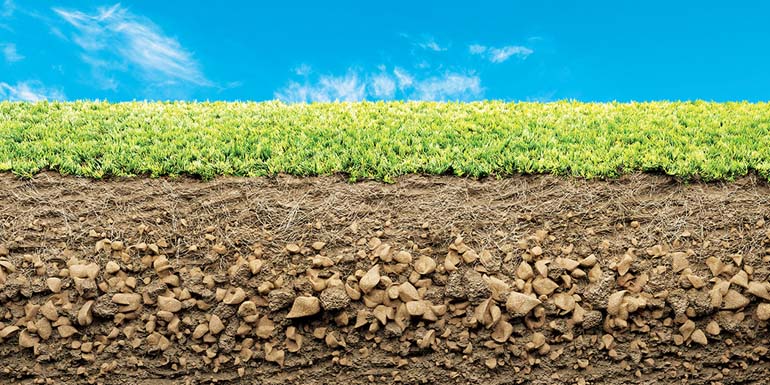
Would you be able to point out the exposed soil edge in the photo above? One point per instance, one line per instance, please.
(431, 212)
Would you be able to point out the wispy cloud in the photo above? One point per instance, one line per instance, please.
(29, 91)
(383, 85)
(345, 88)
(303, 69)
(114, 39)
(10, 53)
(499, 55)
(430, 43)
(426, 42)
(449, 86)
(405, 80)
(8, 8)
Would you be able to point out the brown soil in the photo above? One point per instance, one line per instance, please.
(538, 280)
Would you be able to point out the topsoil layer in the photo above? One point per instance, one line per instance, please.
(537, 279)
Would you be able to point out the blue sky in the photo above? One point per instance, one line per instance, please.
(416, 50)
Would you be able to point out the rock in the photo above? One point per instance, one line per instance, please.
(503, 331)
(215, 325)
(44, 329)
(200, 331)
(687, 329)
(424, 265)
(403, 257)
(66, 331)
(734, 300)
(716, 266)
(85, 316)
(713, 328)
(566, 263)
(234, 296)
(699, 337)
(265, 327)
(588, 261)
(54, 284)
(334, 298)
(741, 279)
(763, 311)
(491, 362)
(407, 292)
(274, 355)
(758, 289)
(679, 261)
(417, 308)
(370, 279)
(544, 286)
(607, 341)
(382, 313)
(27, 341)
(564, 301)
(293, 248)
(614, 302)
(8, 330)
(524, 271)
(305, 307)
(427, 339)
(321, 261)
(318, 246)
(48, 310)
(89, 271)
(498, 287)
(169, 304)
(112, 267)
(248, 311)
(519, 304)
(293, 339)
(130, 301)
(127, 298)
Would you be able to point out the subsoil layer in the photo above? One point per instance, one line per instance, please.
(529, 279)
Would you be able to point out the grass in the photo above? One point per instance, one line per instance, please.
(711, 141)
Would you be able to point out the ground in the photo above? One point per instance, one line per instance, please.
(641, 279)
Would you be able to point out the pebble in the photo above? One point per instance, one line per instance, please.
(304, 307)
(519, 304)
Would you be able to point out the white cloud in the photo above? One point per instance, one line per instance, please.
(477, 49)
(499, 55)
(381, 85)
(405, 80)
(430, 43)
(29, 91)
(10, 53)
(119, 40)
(449, 86)
(426, 42)
(345, 88)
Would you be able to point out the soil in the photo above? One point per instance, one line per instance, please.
(528, 279)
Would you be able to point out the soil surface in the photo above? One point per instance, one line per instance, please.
(529, 279)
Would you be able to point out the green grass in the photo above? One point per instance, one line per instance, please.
(711, 141)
